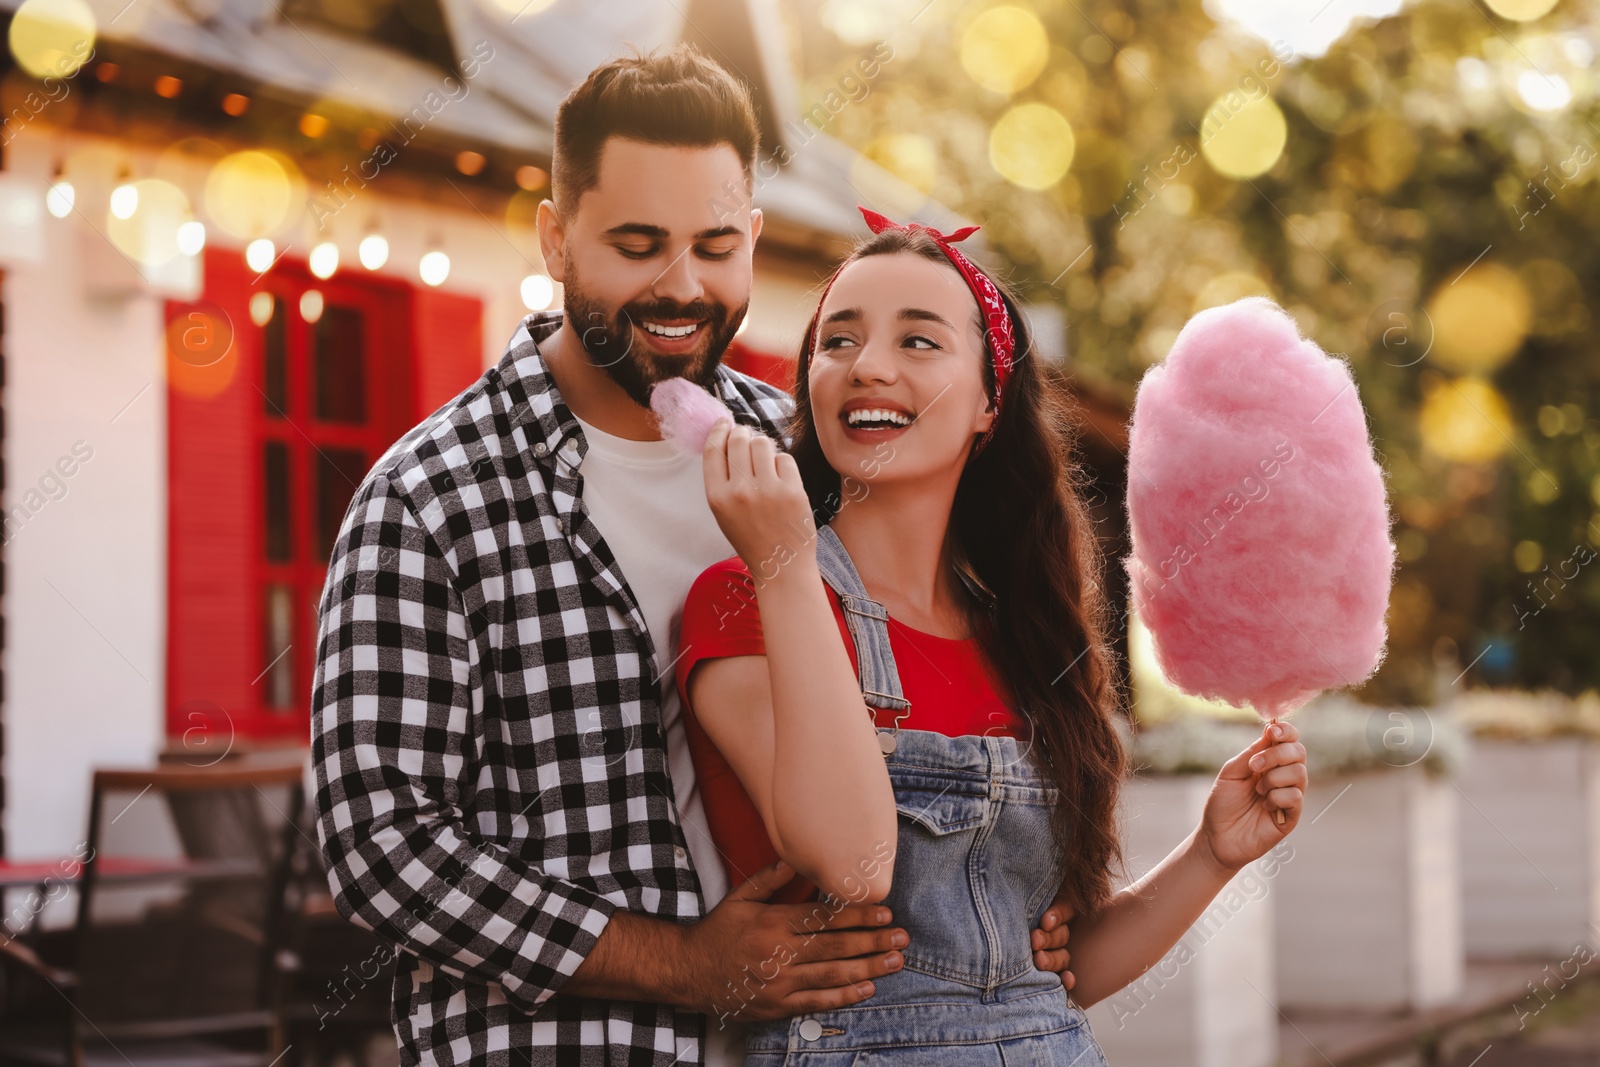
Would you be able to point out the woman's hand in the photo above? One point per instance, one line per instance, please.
(1239, 824)
(758, 499)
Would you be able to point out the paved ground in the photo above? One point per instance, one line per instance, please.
(1498, 1022)
(1565, 1033)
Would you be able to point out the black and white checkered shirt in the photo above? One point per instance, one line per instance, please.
(486, 729)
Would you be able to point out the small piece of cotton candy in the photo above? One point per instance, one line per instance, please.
(686, 413)
(1261, 561)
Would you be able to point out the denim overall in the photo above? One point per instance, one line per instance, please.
(974, 871)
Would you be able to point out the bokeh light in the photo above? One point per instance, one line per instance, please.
(52, 38)
(1479, 319)
(910, 157)
(148, 234)
(1032, 146)
(1543, 92)
(261, 307)
(251, 192)
(260, 254)
(1521, 10)
(1005, 49)
(60, 198)
(324, 259)
(1229, 286)
(1242, 140)
(434, 268)
(192, 237)
(373, 251)
(1465, 420)
(537, 292)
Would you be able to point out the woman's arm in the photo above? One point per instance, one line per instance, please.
(1143, 921)
(792, 724)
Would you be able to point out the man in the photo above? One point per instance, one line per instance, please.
(503, 786)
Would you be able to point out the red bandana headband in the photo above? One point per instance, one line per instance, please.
(1000, 337)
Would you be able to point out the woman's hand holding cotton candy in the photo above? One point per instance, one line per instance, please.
(755, 493)
(1239, 824)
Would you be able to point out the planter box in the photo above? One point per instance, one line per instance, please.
(1369, 912)
(1530, 846)
(1207, 1002)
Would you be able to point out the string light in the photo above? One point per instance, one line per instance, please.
(260, 254)
(192, 237)
(434, 267)
(124, 199)
(324, 260)
(374, 251)
(60, 197)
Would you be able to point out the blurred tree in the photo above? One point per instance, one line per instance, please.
(1421, 196)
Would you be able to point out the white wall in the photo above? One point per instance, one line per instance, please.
(85, 595)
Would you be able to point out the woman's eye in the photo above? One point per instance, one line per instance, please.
(914, 339)
(838, 340)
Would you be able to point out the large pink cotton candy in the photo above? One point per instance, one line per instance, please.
(686, 413)
(1261, 555)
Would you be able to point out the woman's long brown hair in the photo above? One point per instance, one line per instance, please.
(1019, 525)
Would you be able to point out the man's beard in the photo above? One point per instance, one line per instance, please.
(612, 346)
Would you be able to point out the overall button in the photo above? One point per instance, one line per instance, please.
(810, 1029)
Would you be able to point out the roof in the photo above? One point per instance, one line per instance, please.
(534, 56)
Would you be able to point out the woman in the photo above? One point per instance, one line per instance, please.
(937, 731)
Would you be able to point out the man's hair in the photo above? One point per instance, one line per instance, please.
(677, 98)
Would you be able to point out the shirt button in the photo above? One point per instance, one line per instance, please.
(810, 1029)
(540, 448)
(562, 522)
(678, 851)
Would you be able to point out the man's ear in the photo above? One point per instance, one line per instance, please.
(552, 240)
(755, 225)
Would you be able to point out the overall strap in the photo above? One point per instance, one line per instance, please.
(868, 621)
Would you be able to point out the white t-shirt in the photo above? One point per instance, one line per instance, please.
(649, 501)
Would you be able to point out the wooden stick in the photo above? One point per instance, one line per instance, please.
(1277, 814)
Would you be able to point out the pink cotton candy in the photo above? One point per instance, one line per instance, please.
(1261, 555)
(686, 413)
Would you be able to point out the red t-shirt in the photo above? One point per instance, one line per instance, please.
(949, 682)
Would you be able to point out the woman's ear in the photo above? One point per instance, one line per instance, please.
(985, 419)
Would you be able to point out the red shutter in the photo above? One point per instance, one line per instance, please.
(447, 331)
(211, 482)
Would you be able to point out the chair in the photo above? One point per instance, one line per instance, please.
(337, 977)
(173, 959)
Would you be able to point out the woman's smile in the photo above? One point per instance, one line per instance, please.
(870, 419)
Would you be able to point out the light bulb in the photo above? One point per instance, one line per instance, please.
(260, 254)
(60, 197)
(434, 268)
(192, 237)
(325, 259)
(374, 251)
(124, 201)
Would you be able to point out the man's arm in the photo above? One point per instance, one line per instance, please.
(394, 690)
